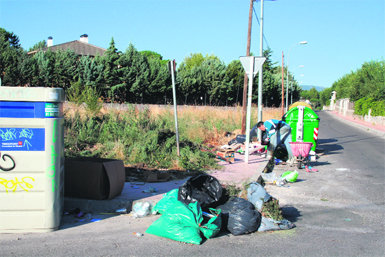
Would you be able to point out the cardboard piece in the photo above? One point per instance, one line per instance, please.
(93, 178)
(226, 155)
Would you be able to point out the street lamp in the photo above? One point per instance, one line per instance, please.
(287, 72)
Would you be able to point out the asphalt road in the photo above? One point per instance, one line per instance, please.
(338, 211)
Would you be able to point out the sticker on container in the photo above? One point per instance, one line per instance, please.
(22, 139)
(51, 110)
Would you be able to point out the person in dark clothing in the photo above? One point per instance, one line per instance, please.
(278, 132)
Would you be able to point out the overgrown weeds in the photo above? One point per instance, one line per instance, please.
(146, 135)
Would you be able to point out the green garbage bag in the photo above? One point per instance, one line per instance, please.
(180, 223)
(211, 223)
(185, 223)
(167, 202)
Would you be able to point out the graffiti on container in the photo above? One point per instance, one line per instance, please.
(27, 133)
(8, 134)
(51, 172)
(14, 184)
(309, 115)
(8, 161)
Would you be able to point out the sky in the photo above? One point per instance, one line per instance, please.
(341, 34)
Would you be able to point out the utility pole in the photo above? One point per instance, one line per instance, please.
(244, 102)
(172, 66)
(260, 78)
(283, 89)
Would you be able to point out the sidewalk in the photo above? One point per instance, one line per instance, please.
(235, 173)
(377, 129)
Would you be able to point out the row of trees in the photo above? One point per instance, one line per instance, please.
(135, 77)
(365, 87)
(367, 81)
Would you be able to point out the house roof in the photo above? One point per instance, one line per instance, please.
(80, 48)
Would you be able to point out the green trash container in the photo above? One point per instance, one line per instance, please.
(304, 123)
(31, 159)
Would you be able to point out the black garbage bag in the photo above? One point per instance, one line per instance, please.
(204, 189)
(239, 139)
(239, 216)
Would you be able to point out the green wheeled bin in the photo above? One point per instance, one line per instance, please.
(304, 123)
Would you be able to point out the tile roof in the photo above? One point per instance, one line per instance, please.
(80, 48)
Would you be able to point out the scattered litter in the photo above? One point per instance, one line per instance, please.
(138, 183)
(226, 155)
(324, 199)
(268, 224)
(310, 169)
(95, 220)
(135, 187)
(347, 219)
(141, 209)
(342, 169)
(207, 214)
(290, 176)
(150, 190)
(278, 161)
(257, 195)
(138, 234)
(86, 217)
(121, 211)
(272, 178)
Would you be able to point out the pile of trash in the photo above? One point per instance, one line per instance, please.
(200, 209)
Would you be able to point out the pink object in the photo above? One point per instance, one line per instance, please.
(310, 169)
(301, 148)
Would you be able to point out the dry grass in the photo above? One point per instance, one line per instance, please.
(204, 124)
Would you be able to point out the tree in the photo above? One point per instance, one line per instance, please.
(28, 69)
(325, 96)
(64, 68)
(10, 52)
(111, 69)
(159, 89)
(45, 69)
(89, 72)
(38, 46)
(214, 72)
(194, 60)
(313, 96)
(368, 81)
(135, 76)
(234, 76)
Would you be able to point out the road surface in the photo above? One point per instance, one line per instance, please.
(338, 211)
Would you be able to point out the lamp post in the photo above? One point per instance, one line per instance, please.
(287, 73)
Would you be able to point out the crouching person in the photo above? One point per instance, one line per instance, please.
(278, 132)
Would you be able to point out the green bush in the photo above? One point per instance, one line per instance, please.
(79, 94)
(363, 105)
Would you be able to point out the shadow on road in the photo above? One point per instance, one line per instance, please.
(329, 146)
(291, 213)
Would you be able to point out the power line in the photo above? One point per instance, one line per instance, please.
(264, 38)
